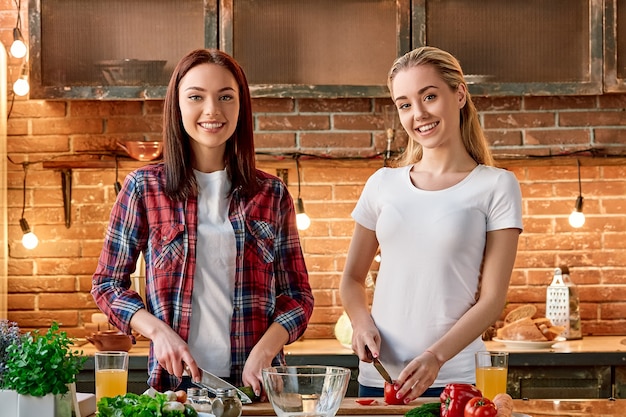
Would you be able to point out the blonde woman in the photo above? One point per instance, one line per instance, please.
(447, 223)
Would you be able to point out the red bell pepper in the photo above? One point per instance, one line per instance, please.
(455, 396)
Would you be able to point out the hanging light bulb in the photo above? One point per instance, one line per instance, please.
(18, 47)
(577, 218)
(29, 240)
(21, 86)
(303, 221)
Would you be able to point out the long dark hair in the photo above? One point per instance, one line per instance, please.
(239, 156)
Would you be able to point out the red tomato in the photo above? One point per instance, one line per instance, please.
(480, 407)
(390, 395)
(365, 401)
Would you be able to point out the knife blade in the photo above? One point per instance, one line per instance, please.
(379, 366)
(214, 382)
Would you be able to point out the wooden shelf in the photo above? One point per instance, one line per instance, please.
(287, 161)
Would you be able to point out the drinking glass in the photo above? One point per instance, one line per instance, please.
(491, 372)
(111, 373)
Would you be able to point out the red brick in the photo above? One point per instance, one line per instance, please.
(96, 108)
(486, 104)
(610, 136)
(358, 122)
(16, 127)
(335, 140)
(504, 138)
(29, 320)
(37, 109)
(558, 102)
(557, 137)
(59, 126)
(274, 140)
(518, 120)
(62, 301)
(323, 297)
(338, 105)
(41, 284)
(612, 101)
(290, 123)
(41, 143)
(145, 124)
(272, 105)
(595, 118)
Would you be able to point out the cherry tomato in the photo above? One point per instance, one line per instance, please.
(365, 401)
(390, 395)
(480, 407)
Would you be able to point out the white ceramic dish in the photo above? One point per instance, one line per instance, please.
(201, 414)
(528, 344)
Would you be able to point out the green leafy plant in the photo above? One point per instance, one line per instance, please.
(9, 335)
(43, 363)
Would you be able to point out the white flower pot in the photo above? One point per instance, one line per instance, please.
(47, 406)
(8, 401)
(29, 406)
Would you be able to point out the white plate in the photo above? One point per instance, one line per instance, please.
(529, 344)
(201, 414)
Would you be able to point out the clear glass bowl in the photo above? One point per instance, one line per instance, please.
(306, 390)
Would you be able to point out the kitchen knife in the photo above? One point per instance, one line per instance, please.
(214, 382)
(379, 366)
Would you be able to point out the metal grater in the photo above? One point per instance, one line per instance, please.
(557, 302)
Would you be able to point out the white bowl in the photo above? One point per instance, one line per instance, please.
(306, 390)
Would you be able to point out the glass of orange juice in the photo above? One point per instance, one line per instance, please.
(111, 373)
(491, 372)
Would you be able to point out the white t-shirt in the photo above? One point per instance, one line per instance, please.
(214, 279)
(432, 245)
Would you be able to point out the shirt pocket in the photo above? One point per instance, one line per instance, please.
(168, 245)
(262, 235)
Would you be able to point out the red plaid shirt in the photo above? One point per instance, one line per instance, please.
(271, 280)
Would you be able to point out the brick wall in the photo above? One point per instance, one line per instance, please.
(52, 282)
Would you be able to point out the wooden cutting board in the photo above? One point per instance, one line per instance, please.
(349, 406)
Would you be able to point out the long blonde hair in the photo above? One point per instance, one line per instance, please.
(450, 71)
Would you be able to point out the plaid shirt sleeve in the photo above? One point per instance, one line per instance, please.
(125, 237)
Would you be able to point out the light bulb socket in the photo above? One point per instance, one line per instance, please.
(17, 35)
(24, 226)
(579, 204)
(299, 206)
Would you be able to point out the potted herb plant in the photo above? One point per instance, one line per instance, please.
(9, 335)
(41, 369)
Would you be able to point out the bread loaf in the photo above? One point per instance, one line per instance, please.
(528, 329)
(527, 310)
(524, 329)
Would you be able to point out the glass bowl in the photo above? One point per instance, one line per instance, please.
(305, 390)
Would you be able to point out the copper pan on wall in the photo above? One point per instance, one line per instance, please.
(142, 150)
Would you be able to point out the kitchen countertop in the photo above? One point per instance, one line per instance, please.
(591, 350)
(532, 408)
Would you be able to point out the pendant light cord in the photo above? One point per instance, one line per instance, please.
(580, 189)
(25, 167)
(298, 172)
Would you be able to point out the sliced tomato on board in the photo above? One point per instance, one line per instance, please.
(365, 401)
